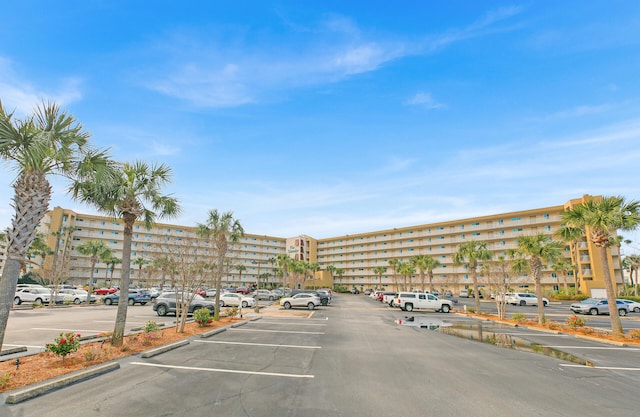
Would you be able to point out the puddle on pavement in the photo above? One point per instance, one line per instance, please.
(480, 333)
(423, 322)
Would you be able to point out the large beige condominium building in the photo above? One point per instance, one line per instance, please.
(355, 257)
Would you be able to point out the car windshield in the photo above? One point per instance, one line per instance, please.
(591, 301)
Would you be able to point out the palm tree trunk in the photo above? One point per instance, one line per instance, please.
(536, 279)
(476, 294)
(566, 284)
(31, 199)
(616, 323)
(90, 289)
(121, 315)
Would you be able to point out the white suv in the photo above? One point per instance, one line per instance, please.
(525, 299)
(410, 300)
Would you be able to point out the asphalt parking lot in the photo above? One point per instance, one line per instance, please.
(351, 359)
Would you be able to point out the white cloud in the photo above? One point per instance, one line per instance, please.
(424, 100)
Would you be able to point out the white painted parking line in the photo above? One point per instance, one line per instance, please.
(69, 330)
(593, 347)
(239, 329)
(258, 344)
(297, 324)
(612, 368)
(27, 346)
(533, 334)
(228, 371)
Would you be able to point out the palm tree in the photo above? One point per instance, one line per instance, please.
(406, 270)
(223, 231)
(95, 249)
(162, 264)
(471, 254)
(562, 267)
(283, 261)
(105, 258)
(133, 193)
(394, 263)
(332, 271)
(537, 249)
(571, 235)
(425, 263)
(50, 142)
(340, 273)
(632, 263)
(240, 269)
(379, 271)
(600, 219)
(140, 262)
(112, 266)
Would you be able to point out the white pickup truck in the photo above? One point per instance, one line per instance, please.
(409, 301)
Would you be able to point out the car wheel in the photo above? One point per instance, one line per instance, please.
(622, 312)
(311, 306)
(593, 311)
(270, 298)
(244, 304)
(408, 307)
(131, 301)
(108, 301)
(38, 302)
(544, 303)
(523, 303)
(636, 310)
(17, 301)
(445, 308)
(76, 301)
(287, 305)
(324, 302)
(161, 310)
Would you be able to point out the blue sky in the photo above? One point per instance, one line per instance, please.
(338, 117)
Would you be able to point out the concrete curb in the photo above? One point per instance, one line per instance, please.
(41, 389)
(213, 332)
(601, 340)
(165, 348)
(12, 351)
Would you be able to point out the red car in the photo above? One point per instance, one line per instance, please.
(105, 291)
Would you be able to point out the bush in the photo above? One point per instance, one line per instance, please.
(151, 326)
(232, 311)
(202, 316)
(635, 333)
(64, 344)
(519, 317)
(574, 322)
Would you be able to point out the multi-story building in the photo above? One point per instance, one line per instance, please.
(355, 256)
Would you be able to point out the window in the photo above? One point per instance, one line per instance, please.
(475, 234)
(517, 229)
(515, 219)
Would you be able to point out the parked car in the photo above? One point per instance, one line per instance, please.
(211, 292)
(105, 291)
(633, 305)
(243, 290)
(236, 300)
(595, 306)
(304, 299)
(135, 296)
(266, 295)
(525, 299)
(74, 296)
(35, 295)
(388, 297)
(325, 297)
(409, 301)
(463, 294)
(165, 304)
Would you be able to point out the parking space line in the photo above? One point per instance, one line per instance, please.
(69, 330)
(593, 347)
(239, 329)
(297, 324)
(27, 346)
(534, 334)
(258, 344)
(612, 368)
(229, 371)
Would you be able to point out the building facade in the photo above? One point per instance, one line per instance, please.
(356, 256)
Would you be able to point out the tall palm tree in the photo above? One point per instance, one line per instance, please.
(425, 263)
(95, 249)
(394, 264)
(222, 230)
(537, 249)
(50, 142)
(162, 264)
(632, 263)
(471, 254)
(340, 273)
(332, 271)
(561, 267)
(112, 266)
(240, 269)
(105, 258)
(406, 270)
(571, 236)
(283, 261)
(600, 219)
(379, 271)
(133, 194)
(140, 262)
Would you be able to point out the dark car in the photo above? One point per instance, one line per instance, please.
(324, 296)
(135, 296)
(166, 304)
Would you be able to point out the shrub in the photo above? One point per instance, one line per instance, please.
(519, 317)
(202, 316)
(232, 312)
(151, 326)
(635, 333)
(574, 321)
(4, 379)
(64, 344)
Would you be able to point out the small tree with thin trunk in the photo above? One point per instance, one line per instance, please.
(379, 271)
(471, 254)
(95, 249)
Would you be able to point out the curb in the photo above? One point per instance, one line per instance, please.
(165, 348)
(69, 379)
(213, 332)
(599, 340)
(13, 350)
(241, 323)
